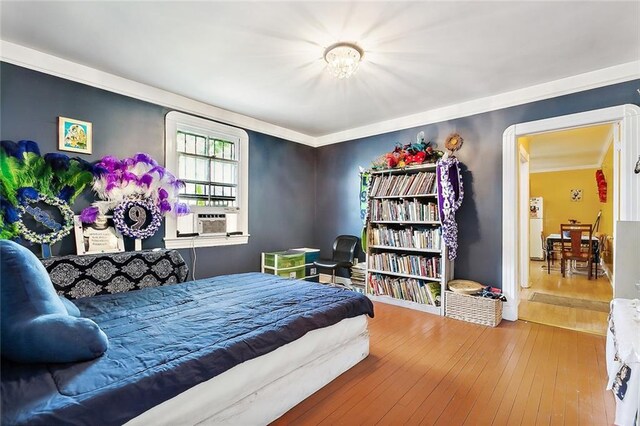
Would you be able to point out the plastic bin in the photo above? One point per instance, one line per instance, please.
(284, 259)
(294, 273)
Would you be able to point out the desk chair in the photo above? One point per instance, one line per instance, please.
(344, 254)
(575, 248)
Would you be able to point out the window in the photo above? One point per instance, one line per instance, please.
(212, 160)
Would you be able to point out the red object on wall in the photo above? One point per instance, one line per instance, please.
(602, 186)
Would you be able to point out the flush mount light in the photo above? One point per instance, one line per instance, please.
(343, 59)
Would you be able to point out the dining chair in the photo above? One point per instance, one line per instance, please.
(576, 241)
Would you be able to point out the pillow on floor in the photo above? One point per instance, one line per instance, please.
(35, 325)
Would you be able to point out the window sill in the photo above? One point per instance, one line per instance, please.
(205, 241)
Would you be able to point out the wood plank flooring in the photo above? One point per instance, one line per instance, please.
(425, 369)
(574, 286)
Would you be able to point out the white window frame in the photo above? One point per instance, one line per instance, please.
(175, 121)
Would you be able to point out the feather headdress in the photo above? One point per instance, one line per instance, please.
(137, 177)
(25, 175)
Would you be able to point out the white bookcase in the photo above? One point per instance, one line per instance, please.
(406, 257)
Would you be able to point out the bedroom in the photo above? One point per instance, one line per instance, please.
(308, 132)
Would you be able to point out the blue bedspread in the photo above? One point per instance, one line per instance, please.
(165, 340)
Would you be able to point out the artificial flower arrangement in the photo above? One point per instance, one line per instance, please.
(138, 190)
(408, 155)
(602, 186)
(30, 182)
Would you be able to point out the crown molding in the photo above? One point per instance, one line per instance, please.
(578, 83)
(53, 65)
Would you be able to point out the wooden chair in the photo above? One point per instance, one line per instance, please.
(575, 247)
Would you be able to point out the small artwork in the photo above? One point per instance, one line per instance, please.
(576, 194)
(74, 135)
(99, 237)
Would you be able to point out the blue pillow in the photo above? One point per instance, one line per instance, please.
(70, 307)
(34, 324)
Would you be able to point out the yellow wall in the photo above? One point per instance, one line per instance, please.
(555, 188)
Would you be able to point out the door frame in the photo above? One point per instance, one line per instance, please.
(626, 204)
(523, 212)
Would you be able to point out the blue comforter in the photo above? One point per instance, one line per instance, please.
(165, 340)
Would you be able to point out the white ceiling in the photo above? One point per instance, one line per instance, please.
(264, 59)
(579, 148)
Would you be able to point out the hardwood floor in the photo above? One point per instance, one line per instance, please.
(425, 369)
(574, 286)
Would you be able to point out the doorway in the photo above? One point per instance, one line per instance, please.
(559, 185)
(626, 201)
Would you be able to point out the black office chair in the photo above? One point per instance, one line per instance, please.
(344, 254)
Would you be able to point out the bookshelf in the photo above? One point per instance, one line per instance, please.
(406, 261)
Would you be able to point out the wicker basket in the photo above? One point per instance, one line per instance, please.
(478, 310)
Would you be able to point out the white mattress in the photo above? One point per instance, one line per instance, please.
(260, 390)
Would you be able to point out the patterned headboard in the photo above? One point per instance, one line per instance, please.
(93, 274)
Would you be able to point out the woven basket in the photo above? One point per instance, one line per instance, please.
(478, 310)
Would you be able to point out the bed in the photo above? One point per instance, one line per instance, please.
(234, 349)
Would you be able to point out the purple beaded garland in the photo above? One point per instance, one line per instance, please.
(142, 233)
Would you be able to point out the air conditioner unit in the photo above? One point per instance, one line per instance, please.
(212, 224)
(209, 221)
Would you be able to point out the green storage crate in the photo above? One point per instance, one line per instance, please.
(295, 273)
(284, 259)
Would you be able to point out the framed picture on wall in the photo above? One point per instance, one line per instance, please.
(75, 135)
(576, 194)
(99, 237)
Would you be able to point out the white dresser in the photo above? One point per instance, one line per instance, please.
(623, 360)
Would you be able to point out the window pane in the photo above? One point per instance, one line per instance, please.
(190, 172)
(191, 144)
(216, 171)
(218, 150)
(202, 169)
(201, 146)
(227, 150)
(181, 142)
(201, 189)
(182, 167)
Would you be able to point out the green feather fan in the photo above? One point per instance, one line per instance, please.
(51, 175)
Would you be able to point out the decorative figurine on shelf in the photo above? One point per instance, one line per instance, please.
(36, 192)
(139, 191)
(407, 155)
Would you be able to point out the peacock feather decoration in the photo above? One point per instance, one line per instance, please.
(27, 177)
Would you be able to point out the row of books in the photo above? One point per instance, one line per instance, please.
(406, 264)
(406, 238)
(358, 276)
(411, 289)
(399, 185)
(404, 210)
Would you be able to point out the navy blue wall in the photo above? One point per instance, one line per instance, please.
(281, 173)
(298, 196)
(480, 217)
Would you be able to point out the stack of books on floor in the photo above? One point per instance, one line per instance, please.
(358, 274)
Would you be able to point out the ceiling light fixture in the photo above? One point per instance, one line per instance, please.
(343, 59)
